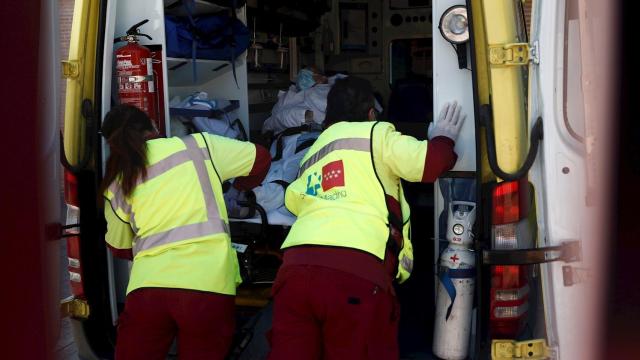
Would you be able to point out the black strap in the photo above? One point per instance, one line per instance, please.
(206, 143)
(280, 139)
(293, 130)
(233, 44)
(249, 203)
(282, 183)
(243, 133)
(394, 222)
(305, 145)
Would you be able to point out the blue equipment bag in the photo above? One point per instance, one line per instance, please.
(213, 37)
(216, 37)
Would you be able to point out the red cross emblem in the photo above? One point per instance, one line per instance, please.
(454, 258)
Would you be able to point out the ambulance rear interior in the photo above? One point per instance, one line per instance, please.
(398, 46)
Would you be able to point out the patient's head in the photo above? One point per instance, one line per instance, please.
(308, 77)
(350, 99)
(318, 76)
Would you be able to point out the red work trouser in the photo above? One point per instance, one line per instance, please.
(202, 321)
(321, 313)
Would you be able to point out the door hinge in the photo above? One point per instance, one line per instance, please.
(75, 308)
(514, 54)
(572, 275)
(569, 251)
(70, 69)
(536, 349)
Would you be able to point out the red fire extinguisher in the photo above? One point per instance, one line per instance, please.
(135, 75)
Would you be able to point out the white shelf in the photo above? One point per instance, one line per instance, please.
(201, 8)
(180, 71)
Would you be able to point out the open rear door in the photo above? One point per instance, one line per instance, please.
(571, 171)
(81, 157)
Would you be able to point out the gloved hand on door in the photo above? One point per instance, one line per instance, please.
(449, 122)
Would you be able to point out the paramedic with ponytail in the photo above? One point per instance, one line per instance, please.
(165, 211)
(333, 295)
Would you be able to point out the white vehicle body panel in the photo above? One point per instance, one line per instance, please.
(559, 177)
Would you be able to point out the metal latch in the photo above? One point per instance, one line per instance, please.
(75, 308)
(532, 349)
(514, 54)
(70, 69)
(570, 251)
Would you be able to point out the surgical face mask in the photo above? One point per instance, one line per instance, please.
(305, 79)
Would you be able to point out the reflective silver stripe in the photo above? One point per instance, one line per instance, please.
(203, 175)
(179, 233)
(214, 224)
(132, 222)
(358, 144)
(170, 162)
(118, 201)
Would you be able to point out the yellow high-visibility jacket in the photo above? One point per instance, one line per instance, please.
(339, 196)
(175, 221)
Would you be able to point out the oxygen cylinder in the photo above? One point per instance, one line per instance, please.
(456, 281)
(454, 303)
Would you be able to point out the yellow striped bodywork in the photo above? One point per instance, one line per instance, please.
(82, 50)
(502, 86)
(482, 78)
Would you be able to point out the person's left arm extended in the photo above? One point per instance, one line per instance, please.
(415, 160)
(245, 161)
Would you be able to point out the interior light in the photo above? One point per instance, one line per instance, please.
(454, 26)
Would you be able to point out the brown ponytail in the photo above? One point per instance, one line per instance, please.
(126, 129)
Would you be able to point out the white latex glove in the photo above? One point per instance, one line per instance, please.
(449, 122)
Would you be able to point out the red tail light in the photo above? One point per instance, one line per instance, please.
(509, 287)
(75, 267)
(72, 233)
(71, 188)
(510, 202)
(509, 300)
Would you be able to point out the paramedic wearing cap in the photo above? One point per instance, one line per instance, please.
(333, 295)
(164, 209)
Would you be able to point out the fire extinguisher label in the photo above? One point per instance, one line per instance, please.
(124, 64)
